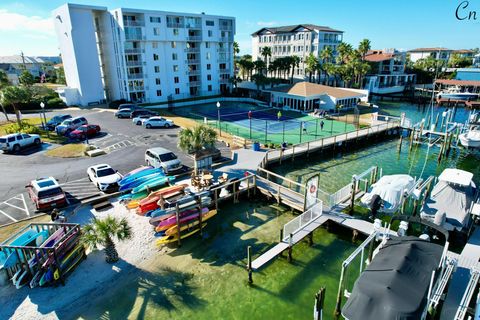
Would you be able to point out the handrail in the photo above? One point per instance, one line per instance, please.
(281, 177)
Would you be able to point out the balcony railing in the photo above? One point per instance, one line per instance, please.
(193, 72)
(134, 50)
(225, 39)
(192, 50)
(194, 83)
(136, 76)
(136, 23)
(193, 25)
(136, 88)
(134, 36)
(194, 38)
(225, 27)
(224, 81)
(134, 63)
(193, 61)
(174, 25)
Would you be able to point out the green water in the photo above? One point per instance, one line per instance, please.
(336, 170)
(207, 279)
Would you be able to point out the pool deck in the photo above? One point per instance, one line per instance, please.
(468, 259)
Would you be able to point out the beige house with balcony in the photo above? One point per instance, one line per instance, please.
(299, 40)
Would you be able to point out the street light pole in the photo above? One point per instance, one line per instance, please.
(44, 120)
(219, 123)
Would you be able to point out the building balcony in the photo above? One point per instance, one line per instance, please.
(134, 36)
(136, 88)
(222, 60)
(192, 50)
(194, 38)
(134, 63)
(136, 23)
(134, 50)
(174, 25)
(194, 72)
(224, 81)
(224, 39)
(136, 76)
(193, 61)
(194, 83)
(225, 27)
(193, 26)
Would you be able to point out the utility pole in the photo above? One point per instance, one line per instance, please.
(23, 60)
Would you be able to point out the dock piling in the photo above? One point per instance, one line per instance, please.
(290, 245)
(249, 265)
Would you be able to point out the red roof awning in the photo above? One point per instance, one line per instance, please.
(453, 82)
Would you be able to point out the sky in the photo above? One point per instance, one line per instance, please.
(403, 24)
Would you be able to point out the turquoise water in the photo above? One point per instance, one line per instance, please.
(336, 170)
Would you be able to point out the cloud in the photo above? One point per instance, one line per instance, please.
(22, 25)
(267, 23)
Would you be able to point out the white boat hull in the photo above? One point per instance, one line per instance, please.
(458, 96)
(468, 141)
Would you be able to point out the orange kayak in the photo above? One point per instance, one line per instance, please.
(155, 196)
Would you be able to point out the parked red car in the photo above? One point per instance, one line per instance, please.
(87, 130)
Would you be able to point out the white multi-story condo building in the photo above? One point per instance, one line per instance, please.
(387, 74)
(142, 55)
(299, 40)
(437, 53)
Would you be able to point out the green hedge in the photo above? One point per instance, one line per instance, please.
(25, 128)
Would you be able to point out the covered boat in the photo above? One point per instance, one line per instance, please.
(451, 200)
(395, 285)
(391, 189)
(470, 139)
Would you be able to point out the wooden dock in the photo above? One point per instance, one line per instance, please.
(467, 260)
(458, 103)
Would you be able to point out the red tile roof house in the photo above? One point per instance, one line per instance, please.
(387, 74)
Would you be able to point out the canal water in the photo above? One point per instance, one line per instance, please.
(336, 170)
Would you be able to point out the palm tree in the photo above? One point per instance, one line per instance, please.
(326, 56)
(4, 82)
(312, 65)
(344, 51)
(363, 49)
(295, 63)
(266, 52)
(236, 48)
(193, 140)
(103, 231)
(235, 81)
(259, 66)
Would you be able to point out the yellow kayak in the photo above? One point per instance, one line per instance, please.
(173, 230)
(173, 238)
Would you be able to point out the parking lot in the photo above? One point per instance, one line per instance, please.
(124, 142)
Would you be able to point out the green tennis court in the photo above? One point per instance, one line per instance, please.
(264, 125)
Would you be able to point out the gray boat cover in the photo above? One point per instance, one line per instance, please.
(395, 284)
(452, 200)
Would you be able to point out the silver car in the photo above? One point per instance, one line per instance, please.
(163, 158)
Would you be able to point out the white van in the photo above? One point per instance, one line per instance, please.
(163, 158)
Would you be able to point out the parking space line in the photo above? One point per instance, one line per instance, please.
(14, 206)
(15, 220)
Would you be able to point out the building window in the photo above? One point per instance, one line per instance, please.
(209, 66)
(207, 45)
(210, 23)
(155, 19)
(156, 31)
(210, 33)
(176, 80)
(154, 44)
(209, 87)
(177, 90)
(209, 77)
(174, 56)
(157, 69)
(175, 32)
(174, 44)
(155, 57)
(175, 68)
(207, 56)
(159, 93)
(157, 81)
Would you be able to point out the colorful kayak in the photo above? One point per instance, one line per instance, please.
(139, 175)
(152, 183)
(9, 258)
(50, 275)
(171, 221)
(170, 239)
(138, 181)
(135, 171)
(159, 214)
(173, 230)
(150, 202)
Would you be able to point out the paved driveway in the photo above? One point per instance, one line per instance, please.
(125, 142)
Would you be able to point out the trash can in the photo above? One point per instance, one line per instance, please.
(256, 146)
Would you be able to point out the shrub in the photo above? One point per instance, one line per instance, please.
(55, 103)
(25, 128)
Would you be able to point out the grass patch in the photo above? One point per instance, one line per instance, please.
(50, 136)
(73, 150)
(11, 229)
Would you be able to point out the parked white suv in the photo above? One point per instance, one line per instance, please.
(104, 177)
(69, 125)
(163, 158)
(16, 141)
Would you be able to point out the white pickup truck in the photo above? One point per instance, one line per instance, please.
(16, 141)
